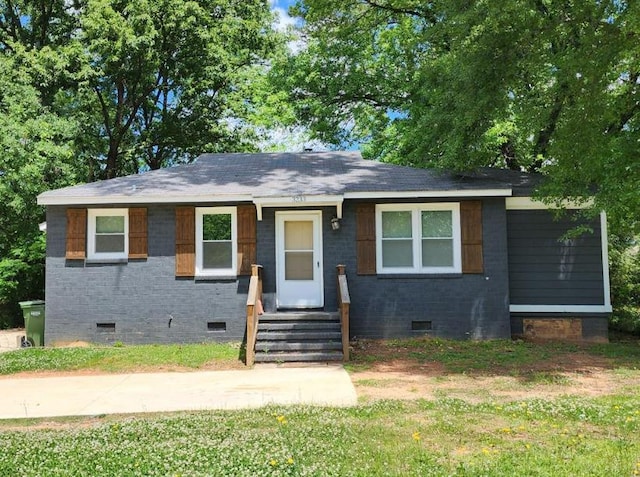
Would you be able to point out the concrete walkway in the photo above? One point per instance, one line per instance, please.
(10, 339)
(161, 392)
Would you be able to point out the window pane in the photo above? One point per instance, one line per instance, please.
(110, 224)
(396, 224)
(109, 243)
(298, 235)
(298, 266)
(437, 223)
(397, 253)
(437, 253)
(216, 227)
(217, 255)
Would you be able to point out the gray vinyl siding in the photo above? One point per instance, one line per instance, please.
(545, 269)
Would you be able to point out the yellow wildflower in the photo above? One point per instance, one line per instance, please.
(273, 462)
(282, 419)
(290, 461)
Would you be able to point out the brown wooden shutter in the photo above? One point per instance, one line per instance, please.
(366, 239)
(471, 229)
(185, 241)
(76, 248)
(138, 232)
(246, 238)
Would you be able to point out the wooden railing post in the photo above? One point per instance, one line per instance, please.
(344, 300)
(254, 310)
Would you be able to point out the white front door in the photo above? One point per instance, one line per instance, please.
(299, 259)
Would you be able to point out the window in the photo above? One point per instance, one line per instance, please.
(108, 236)
(216, 241)
(418, 238)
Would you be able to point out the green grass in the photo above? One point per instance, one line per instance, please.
(559, 437)
(119, 358)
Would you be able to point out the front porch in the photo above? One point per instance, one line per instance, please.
(301, 336)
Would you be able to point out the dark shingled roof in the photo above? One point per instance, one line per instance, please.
(265, 175)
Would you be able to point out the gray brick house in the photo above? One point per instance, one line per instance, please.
(165, 256)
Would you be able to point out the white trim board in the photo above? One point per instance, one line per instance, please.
(604, 240)
(273, 201)
(529, 203)
(300, 201)
(560, 308)
(436, 194)
(145, 199)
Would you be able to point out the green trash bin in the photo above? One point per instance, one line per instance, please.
(33, 312)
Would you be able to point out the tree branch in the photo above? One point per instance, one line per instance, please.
(400, 11)
(626, 116)
(105, 111)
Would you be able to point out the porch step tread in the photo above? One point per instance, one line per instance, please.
(298, 357)
(271, 346)
(297, 316)
(298, 335)
(298, 325)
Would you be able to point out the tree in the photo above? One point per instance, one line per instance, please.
(92, 89)
(163, 76)
(527, 84)
(37, 154)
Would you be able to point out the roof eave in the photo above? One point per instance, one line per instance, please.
(299, 200)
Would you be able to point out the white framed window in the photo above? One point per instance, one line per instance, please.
(108, 234)
(216, 241)
(418, 238)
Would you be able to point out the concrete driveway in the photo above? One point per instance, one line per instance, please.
(326, 385)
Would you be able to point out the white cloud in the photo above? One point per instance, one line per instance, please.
(283, 21)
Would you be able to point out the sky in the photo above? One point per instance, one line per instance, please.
(290, 139)
(281, 7)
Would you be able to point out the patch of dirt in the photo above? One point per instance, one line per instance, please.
(394, 374)
(407, 385)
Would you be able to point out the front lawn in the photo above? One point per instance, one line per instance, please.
(458, 409)
(567, 436)
(123, 359)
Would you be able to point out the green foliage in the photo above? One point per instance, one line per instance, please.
(162, 78)
(540, 86)
(37, 154)
(624, 256)
(91, 89)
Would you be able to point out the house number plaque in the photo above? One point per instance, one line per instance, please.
(298, 198)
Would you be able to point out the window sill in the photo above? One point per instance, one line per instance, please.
(216, 278)
(395, 276)
(101, 261)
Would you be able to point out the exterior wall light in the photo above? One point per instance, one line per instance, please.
(335, 223)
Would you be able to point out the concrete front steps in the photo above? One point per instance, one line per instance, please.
(312, 336)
